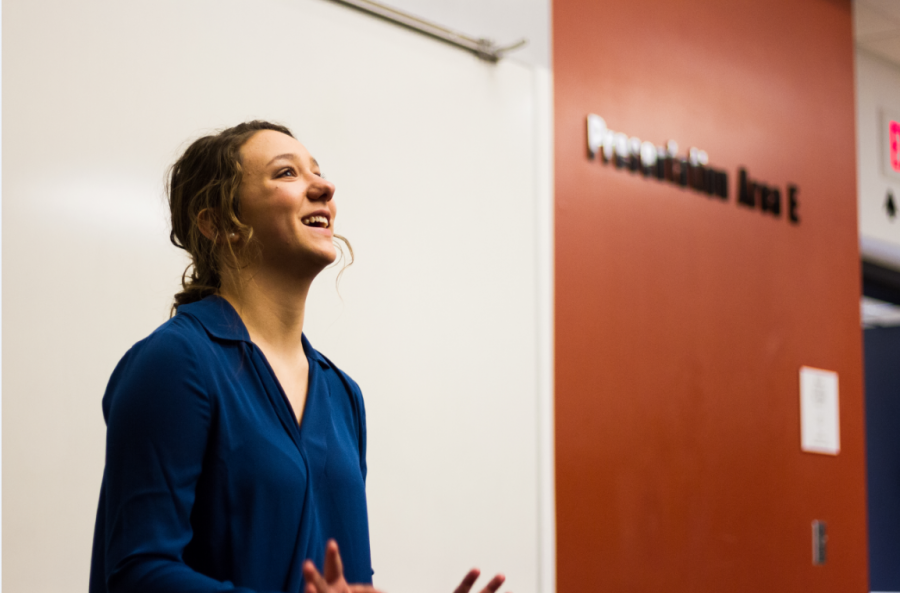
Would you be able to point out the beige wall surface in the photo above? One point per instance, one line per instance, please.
(437, 163)
(877, 93)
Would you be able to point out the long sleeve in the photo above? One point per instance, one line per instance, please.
(210, 484)
(158, 414)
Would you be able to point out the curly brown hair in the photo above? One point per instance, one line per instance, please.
(207, 177)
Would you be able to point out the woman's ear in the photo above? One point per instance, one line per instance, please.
(206, 221)
(207, 224)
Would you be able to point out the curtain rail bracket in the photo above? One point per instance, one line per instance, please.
(485, 49)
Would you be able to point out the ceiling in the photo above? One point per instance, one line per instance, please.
(876, 27)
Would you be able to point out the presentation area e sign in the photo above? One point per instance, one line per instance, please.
(691, 170)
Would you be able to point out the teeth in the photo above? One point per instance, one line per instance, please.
(315, 220)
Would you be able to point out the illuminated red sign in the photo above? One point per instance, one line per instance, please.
(894, 139)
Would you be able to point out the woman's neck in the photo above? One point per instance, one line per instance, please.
(272, 307)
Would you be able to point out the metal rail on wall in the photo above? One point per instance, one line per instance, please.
(483, 48)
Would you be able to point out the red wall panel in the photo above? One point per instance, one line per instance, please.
(682, 320)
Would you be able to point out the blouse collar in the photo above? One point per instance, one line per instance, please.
(222, 322)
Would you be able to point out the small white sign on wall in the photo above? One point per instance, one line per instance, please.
(819, 417)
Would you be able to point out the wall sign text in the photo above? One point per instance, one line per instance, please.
(691, 170)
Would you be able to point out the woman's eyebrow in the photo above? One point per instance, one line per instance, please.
(289, 156)
(286, 156)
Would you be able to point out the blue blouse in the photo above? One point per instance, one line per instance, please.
(210, 484)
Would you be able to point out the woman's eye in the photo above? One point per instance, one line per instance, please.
(286, 173)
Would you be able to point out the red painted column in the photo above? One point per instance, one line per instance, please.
(682, 320)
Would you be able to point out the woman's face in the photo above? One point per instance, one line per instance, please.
(284, 198)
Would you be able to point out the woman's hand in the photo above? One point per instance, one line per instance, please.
(470, 579)
(334, 581)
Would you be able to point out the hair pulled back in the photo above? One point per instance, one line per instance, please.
(207, 177)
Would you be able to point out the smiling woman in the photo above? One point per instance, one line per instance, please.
(235, 451)
(203, 197)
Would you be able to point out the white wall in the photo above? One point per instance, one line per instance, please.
(442, 168)
(502, 21)
(877, 89)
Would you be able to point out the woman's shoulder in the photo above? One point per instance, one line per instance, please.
(170, 347)
(193, 330)
(351, 384)
(181, 346)
(159, 370)
(175, 340)
(329, 366)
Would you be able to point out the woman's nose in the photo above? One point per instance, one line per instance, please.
(321, 190)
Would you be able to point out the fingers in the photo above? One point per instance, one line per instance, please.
(334, 568)
(363, 589)
(468, 581)
(314, 581)
(494, 585)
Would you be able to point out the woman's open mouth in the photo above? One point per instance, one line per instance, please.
(321, 222)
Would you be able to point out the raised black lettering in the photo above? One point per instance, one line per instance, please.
(722, 184)
(775, 202)
(745, 190)
(691, 175)
(758, 190)
(770, 200)
(699, 178)
(793, 204)
(763, 201)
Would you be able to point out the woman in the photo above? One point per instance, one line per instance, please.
(235, 450)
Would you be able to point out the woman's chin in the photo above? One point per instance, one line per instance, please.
(324, 257)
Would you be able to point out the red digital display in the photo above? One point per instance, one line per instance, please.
(894, 135)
